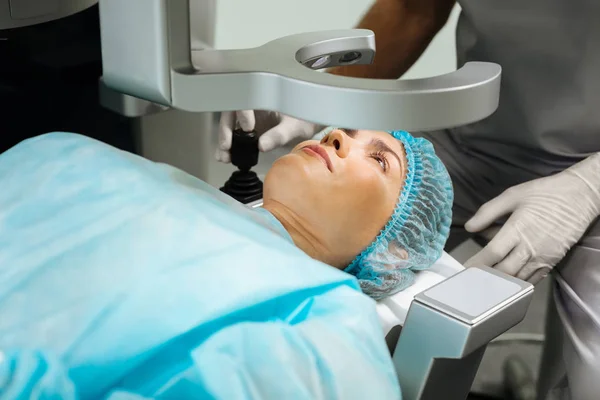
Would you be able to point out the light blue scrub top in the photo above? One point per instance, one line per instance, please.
(122, 278)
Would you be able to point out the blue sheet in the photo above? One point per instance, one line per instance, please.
(122, 278)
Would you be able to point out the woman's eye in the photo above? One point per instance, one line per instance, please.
(382, 162)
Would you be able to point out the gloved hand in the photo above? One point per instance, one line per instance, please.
(275, 130)
(549, 216)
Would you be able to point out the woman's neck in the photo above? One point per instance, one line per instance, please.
(301, 231)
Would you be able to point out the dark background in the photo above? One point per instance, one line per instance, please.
(49, 82)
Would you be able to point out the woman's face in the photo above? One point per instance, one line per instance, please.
(346, 186)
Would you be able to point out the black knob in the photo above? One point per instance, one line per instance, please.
(244, 149)
(244, 185)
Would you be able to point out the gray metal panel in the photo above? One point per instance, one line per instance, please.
(126, 105)
(202, 23)
(19, 13)
(202, 14)
(135, 48)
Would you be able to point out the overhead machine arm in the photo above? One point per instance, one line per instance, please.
(148, 59)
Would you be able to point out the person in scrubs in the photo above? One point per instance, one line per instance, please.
(124, 278)
(527, 178)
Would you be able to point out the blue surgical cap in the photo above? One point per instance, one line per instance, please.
(414, 237)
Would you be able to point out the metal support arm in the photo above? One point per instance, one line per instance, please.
(147, 54)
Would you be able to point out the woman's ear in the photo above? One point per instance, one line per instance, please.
(398, 251)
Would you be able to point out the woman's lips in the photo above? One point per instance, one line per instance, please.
(319, 152)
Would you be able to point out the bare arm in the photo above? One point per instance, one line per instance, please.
(403, 30)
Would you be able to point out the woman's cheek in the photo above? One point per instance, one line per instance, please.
(369, 180)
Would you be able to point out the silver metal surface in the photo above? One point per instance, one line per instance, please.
(492, 293)
(255, 204)
(448, 327)
(19, 13)
(147, 53)
(126, 105)
(202, 15)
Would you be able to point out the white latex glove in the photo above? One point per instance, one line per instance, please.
(275, 130)
(549, 216)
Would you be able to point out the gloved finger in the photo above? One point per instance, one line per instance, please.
(226, 130)
(223, 156)
(539, 275)
(514, 262)
(531, 271)
(275, 137)
(246, 119)
(493, 210)
(489, 233)
(496, 250)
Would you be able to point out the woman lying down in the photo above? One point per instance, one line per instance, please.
(122, 278)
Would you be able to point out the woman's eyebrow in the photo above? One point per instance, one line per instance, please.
(380, 145)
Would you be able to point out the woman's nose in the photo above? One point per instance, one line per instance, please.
(339, 141)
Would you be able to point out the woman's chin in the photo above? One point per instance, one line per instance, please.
(292, 168)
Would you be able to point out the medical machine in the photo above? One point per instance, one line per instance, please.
(152, 62)
(148, 54)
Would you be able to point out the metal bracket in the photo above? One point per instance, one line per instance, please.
(147, 54)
